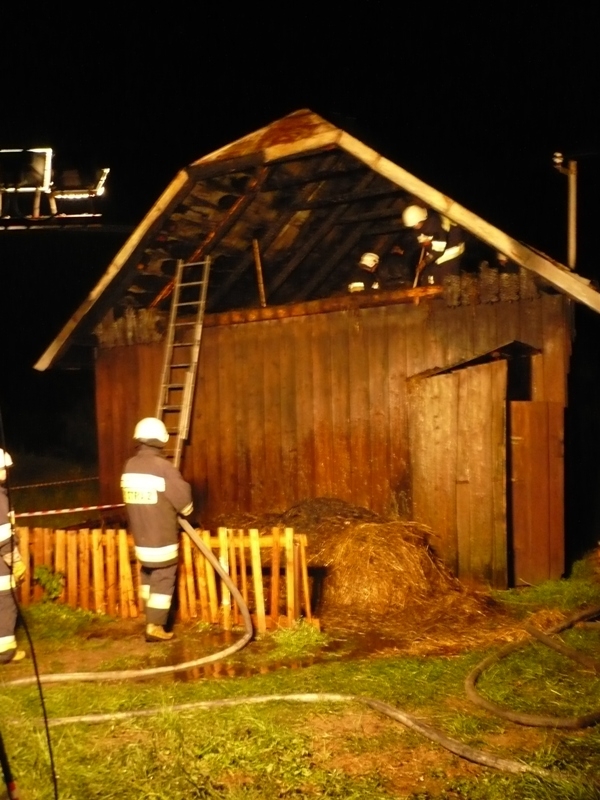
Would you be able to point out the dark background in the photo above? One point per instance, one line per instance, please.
(472, 102)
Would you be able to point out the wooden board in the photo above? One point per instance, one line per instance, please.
(537, 482)
(457, 438)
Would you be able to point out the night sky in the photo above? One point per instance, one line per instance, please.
(475, 105)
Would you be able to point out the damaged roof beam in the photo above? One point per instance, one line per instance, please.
(349, 199)
(314, 240)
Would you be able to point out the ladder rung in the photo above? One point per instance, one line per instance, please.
(179, 366)
(171, 408)
(189, 303)
(174, 386)
(191, 283)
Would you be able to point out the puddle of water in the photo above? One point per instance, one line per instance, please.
(351, 647)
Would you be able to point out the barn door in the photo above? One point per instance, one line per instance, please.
(458, 464)
(537, 491)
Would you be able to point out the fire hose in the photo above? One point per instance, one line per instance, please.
(408, 720)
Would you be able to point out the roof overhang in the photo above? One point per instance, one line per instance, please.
(310, 195)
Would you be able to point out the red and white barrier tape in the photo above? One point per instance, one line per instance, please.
(53, 483)
(66, 510)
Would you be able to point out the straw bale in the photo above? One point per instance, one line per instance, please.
(381, 577)
(378, 566)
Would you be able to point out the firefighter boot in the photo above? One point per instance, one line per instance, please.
(156, 633)
(18, 656)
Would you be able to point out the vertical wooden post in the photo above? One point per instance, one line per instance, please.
(199, 562)
(297, 577)
(259, 597)
(60, 560)
(97, 570)
(25, 588)
(304, 573)
(111, 573)
(188, 565)
(126, 592)
(259, 273)
(290, 575)
(183, 612)
(275, 567)
(225, 593)
(233, 574)
(38, 560)
(136, 574)
(211, 582)
(47, 548)
(84, 568)
(72, 588)
(244, 577)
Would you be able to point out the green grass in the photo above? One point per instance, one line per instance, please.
(567, 594)
(324, 750)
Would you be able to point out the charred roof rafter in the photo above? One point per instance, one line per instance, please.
(265, 242)
(312, 241)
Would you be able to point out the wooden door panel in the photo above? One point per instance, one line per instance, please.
(537, 490)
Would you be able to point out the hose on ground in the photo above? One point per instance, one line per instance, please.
(408, 720)
(130, 674)
(536, 720)
(454, 746)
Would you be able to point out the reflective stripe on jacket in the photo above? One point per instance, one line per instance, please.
(154, 493)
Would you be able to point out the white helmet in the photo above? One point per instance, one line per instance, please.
(369, 261)
(5, 459)
(413, 215)
(151, 428)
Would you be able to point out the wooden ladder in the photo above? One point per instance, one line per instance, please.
(182, 348)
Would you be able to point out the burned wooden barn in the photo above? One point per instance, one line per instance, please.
(442, 404)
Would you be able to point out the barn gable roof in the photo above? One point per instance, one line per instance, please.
(303, 197)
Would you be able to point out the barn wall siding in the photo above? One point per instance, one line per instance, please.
(298, 407)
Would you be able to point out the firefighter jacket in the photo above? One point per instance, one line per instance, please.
(443, 238)
(154, 493)
(7, 540)
(8, 609)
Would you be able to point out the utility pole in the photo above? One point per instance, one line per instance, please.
(571, 172)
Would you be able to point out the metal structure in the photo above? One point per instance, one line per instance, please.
(182, 348)
(32, 174)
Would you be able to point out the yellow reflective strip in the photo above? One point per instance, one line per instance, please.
(451, 252)
(7, 643)
(7, 582)
(137, 497)
(187, 510)
(155, 555)
(144, 592)
(139, 481)
(159, 601)
(5, 532)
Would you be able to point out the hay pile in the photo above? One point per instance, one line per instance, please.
(374, 567)
(382, 576)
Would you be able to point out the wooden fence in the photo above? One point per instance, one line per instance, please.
(99, 572)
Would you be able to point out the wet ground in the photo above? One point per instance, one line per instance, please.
(120, 645)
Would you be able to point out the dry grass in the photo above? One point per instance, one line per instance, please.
(384, 577)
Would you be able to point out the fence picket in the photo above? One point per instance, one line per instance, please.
(101, 573)
(97, 570)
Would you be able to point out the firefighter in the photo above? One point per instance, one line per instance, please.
(443, 244)
(12, 572)
(154, 493)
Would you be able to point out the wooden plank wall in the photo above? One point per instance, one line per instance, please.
(127, 383)
(299, 407)
(458, 440)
